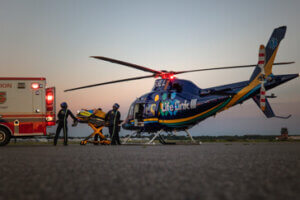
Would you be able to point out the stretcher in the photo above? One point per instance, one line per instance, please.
(96, 120)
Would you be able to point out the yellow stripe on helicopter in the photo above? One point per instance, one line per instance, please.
(253, 84)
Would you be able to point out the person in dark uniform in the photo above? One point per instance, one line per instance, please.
(113, 119)
(62, 121)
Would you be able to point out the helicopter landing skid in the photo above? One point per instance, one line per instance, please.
(192, 139)
(160, 139)
(126, 140)
(155, 136)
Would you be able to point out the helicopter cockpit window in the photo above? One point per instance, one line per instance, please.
(139, 112)
(130, 112)
(177, 87)
(160, 84)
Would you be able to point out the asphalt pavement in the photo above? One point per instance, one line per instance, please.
(207, 171)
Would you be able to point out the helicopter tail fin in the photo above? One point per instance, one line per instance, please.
(271, 50)
(268, 111)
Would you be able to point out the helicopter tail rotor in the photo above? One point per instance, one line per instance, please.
(261, 65)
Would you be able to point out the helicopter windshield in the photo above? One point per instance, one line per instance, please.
(130, 112)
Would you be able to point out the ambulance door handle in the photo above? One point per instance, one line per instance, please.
(37, 110)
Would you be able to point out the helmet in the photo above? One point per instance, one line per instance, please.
(63, 105)
(116, 106)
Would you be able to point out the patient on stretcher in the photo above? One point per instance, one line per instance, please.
(96, 120)
(95, 117)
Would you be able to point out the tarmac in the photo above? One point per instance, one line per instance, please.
(207, 171)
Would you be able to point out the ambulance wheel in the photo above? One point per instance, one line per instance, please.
(4, 136)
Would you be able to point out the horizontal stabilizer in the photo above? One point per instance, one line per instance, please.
(268, 109)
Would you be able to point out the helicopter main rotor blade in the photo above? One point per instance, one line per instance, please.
(229, 67)
(145, 69)
(110, 82)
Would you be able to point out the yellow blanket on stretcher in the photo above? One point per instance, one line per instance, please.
(90, 115)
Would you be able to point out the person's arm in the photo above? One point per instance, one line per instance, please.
(73, 117)
(118, 117)
(58, 116)
(106, 116)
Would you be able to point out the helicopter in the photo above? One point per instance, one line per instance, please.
(175, 104)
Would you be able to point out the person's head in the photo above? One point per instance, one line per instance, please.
(64, 105)
(116, 106)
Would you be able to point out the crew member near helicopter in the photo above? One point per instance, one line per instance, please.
(113, 119)
(62, 122)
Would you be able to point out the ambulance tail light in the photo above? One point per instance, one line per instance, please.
(49, 97)
(50, 106)
(50, 119)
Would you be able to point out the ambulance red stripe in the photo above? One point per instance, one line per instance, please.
(24, 116)
(23, 78)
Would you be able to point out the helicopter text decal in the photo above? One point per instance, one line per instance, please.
(150, 109)
(172, 106)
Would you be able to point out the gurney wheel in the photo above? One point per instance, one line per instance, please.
(83, 142)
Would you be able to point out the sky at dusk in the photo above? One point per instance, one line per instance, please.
(55, 39)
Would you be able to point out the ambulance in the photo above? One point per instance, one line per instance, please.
(27, 107)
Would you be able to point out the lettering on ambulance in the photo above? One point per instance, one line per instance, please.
(2, 97)
(5, 85)
(170, 106)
